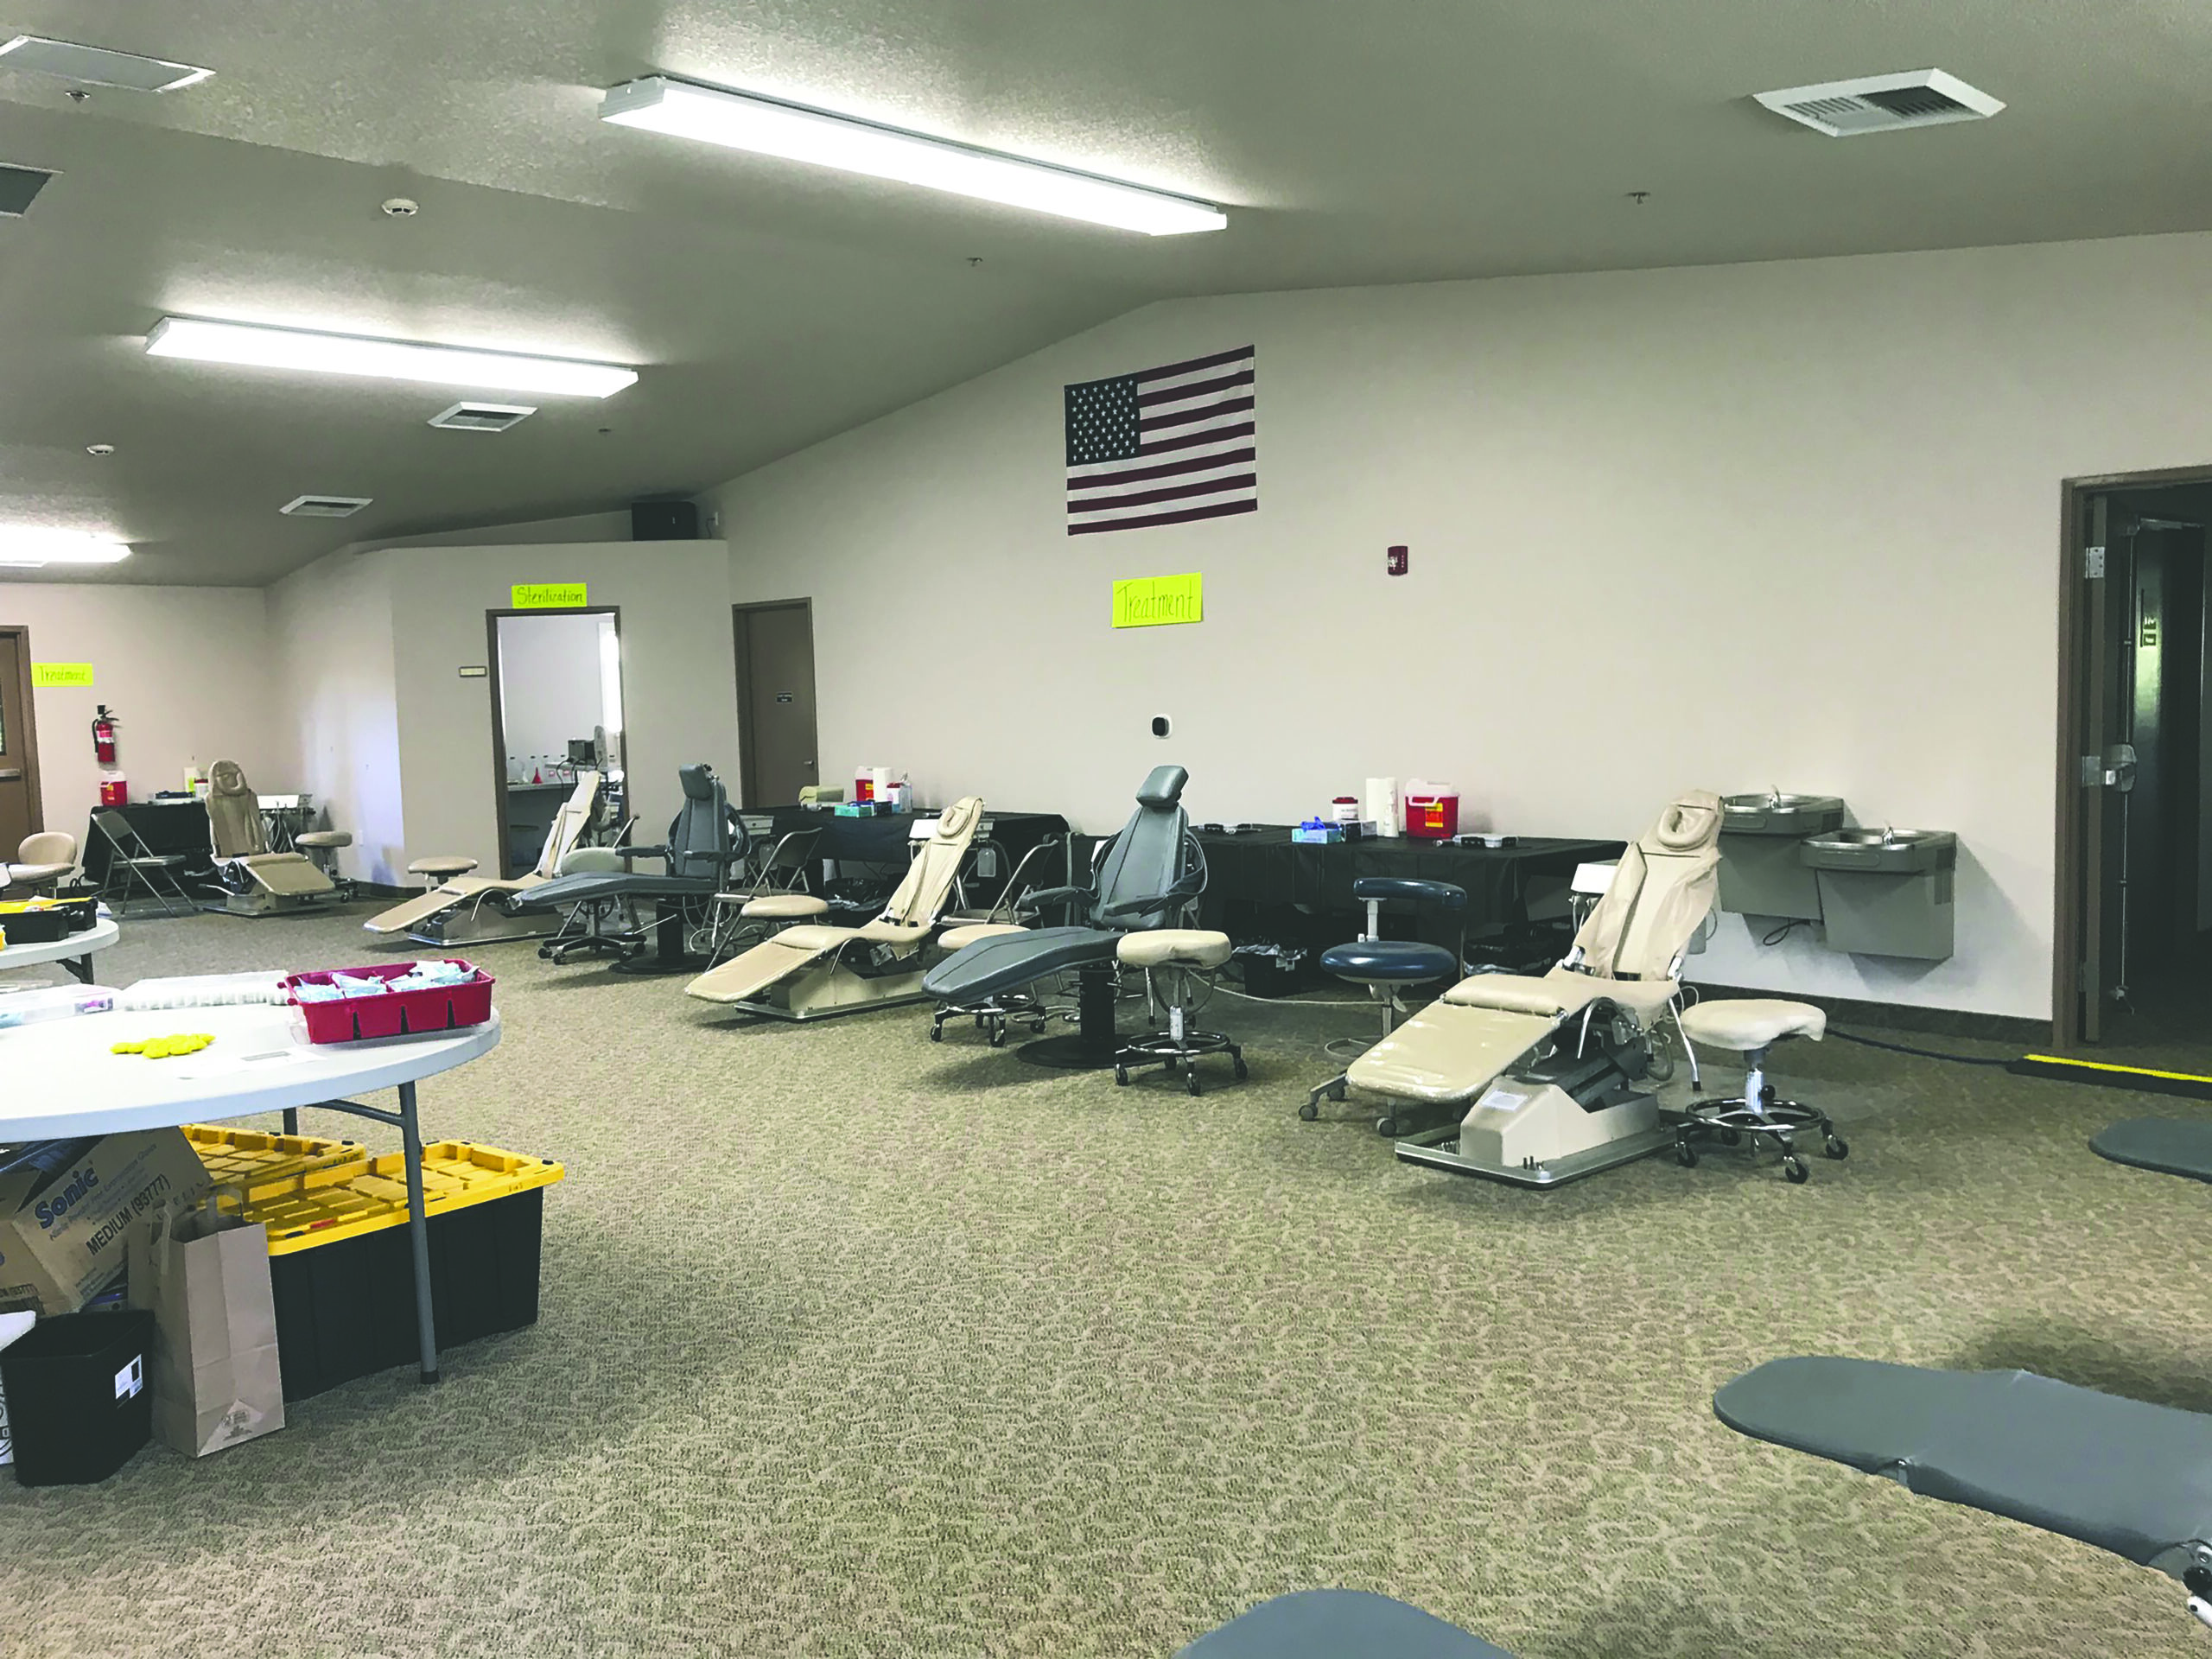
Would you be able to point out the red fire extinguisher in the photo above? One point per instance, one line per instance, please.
(103, 725)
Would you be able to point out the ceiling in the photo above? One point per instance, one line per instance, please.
(769, 304)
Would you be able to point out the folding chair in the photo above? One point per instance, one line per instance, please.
(132, 864)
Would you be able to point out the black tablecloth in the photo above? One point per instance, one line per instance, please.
(883, 841)
(167, 828)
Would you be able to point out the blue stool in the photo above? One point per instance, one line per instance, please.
(1385, 965)
(1339, 1624)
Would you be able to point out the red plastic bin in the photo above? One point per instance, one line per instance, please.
(399, 1013)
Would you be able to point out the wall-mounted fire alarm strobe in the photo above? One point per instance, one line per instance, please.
(1393, 560)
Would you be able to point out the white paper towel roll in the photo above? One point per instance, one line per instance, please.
(1382, 805)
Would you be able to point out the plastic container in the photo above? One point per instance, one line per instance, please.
(115, 789)
(1432, 810)
(78, 1408)
(395, 1013)
(266, 1167)
(34, 924)
(1345, 808)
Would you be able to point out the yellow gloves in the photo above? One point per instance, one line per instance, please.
(166, 1048)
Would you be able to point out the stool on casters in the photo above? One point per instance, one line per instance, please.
(321, 848)
(1179, 954)
(1752, 1026)
(1385, 965)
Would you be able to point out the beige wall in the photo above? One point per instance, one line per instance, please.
(1791, 523)
(186, 670)
(678, 674)
(332, 624)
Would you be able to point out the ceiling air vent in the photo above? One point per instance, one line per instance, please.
(1919, 98)
(19, 187)
(326, 507)
(95, 65)
(482, 417)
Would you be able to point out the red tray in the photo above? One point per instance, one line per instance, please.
(399, 1013)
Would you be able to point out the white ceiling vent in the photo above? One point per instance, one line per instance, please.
(95, 65)
(326, 507)
(482, 417)
(1919, 98)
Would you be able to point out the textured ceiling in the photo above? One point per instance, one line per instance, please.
(771, 304)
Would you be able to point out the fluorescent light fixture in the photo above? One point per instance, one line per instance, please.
(95, 65)
(383, 359)
(770, 127)
(26, 547)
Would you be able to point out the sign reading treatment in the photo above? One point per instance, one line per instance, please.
(549, 595)
(1157, 602)
(45, 675)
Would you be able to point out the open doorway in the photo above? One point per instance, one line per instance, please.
(556, 707)
(21, 811)
(2134, 957)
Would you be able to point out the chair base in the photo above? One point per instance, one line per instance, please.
(1165, 1048)
(993, 1015)
(1738, 1119)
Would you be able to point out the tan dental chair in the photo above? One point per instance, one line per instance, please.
(256, 881)
(1544, 1069)
(438, 917)
(811, 970)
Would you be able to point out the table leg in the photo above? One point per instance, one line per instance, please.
(418, 1228)
(80, 968)
(291, 1120)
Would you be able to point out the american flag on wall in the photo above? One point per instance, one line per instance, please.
(1163, 446)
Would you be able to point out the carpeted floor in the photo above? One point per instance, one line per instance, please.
(853, 1345)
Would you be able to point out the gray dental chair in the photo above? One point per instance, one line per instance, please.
(1151, 873)
(2125, 1476)
(1339, 1624)
(705, 843)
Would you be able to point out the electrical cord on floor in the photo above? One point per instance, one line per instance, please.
(1784, 931)
(1921, 1054)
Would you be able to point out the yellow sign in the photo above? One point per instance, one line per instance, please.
(549, 595)
(1156, 602)
(52, 674)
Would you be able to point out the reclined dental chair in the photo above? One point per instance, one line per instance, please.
(811, 970)
(1147, 877)
(254, 880)
(2120, 1474)
(705, 843)
(1541, 1071)
(1339, 1624)
(438, 917)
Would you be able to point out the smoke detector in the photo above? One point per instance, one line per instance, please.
(95, 65)
(1919, 98)
(326, 507)
(482, 417)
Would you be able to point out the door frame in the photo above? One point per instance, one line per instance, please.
(2075, 906)
(22, 634)
(748, 782)
(499, 716)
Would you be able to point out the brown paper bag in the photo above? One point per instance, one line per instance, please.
(215, 1378)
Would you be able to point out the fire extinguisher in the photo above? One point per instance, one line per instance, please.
(103, 725)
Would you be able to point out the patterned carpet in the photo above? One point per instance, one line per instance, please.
(856, 1346)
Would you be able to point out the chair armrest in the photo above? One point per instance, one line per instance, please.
(1187, 887)
(638, 852)
(1039, 898)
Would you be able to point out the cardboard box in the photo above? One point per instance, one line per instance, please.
(66, 1208)
(11, 1326)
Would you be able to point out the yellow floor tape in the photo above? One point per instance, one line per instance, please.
(2132, 1071)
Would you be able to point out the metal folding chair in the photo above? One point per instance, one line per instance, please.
(131, 865)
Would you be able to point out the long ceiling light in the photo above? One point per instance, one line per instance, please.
(384, 359)
(770, 127)
(26, 547)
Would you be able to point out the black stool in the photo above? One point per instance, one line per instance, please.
(1385, 965)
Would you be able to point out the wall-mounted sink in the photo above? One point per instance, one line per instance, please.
(1774, 813)
(1888, 850)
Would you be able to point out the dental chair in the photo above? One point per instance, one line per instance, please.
(2122, 1474)
(438, 918)
(811, 970)
(1147, 877)
(1339, 1624)
(1386, 967)
(1545, 1069)
(705, 843)
(254, 880)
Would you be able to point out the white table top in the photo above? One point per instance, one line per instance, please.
(57, 1077)
(98, 936)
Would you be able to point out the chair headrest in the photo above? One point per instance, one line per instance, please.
(1163, 787)
(955, 818)
(1691, 823)
(227, 778)
(698, 780)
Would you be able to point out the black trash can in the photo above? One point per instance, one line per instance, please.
(79, 1406)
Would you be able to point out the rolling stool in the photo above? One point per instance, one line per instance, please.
(1181, 953)
(437, 871)
(321, 848)
(992, 1014)
(1750, 1026)
(1384, 965)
